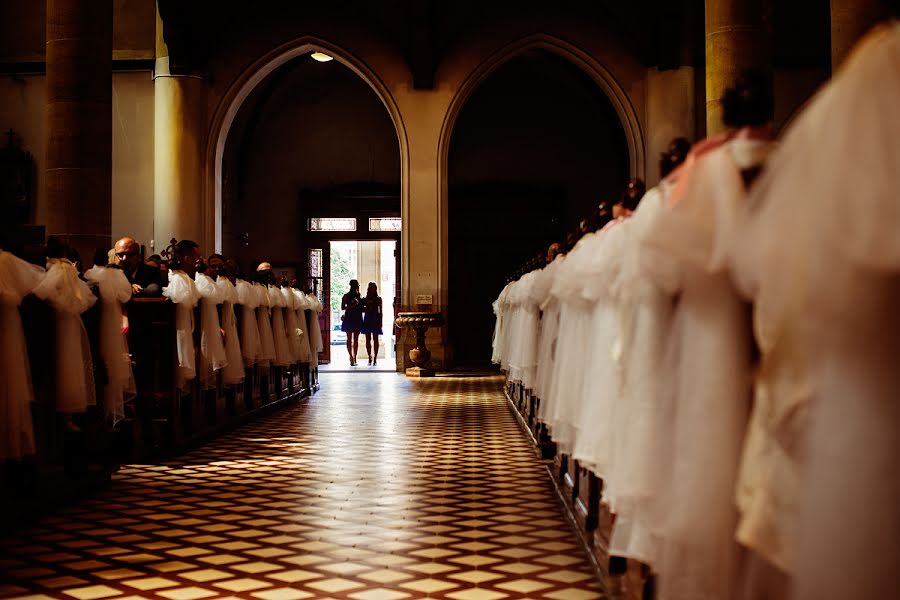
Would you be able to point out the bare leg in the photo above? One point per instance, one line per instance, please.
(369, 347)
(350, 346)
(355, 345)
(375, 344)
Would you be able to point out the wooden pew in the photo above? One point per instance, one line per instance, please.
(182, 416)
(581, 492)
(67, 463)
(161, 420)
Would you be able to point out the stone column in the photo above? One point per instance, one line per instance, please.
(738, 37)
(179, 133)
(850, 19)
(79, 123)
(423, 244)
(671, 112)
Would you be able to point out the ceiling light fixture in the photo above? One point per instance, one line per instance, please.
(321, 57)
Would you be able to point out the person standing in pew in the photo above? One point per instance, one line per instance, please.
(144, 279)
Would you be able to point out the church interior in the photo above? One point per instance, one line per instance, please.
(468, 301)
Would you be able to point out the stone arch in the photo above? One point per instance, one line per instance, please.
(615, 93)
(246, 82)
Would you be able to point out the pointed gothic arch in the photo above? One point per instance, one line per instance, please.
(241, 88)
(589, 64)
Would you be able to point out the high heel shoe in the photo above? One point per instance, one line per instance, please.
(370, 361)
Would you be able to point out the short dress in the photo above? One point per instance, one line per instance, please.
(352, 319)
(372, 316)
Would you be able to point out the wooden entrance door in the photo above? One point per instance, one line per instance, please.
(317, 260)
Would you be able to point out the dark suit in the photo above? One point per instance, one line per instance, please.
(148, 278)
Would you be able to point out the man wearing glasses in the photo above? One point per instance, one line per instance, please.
(144, 279)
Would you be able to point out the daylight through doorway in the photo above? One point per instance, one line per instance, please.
(366, 261)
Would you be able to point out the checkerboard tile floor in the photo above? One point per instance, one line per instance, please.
(377, 488)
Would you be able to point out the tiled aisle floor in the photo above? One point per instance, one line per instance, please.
(377, 488)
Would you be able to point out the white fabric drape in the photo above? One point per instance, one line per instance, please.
(501, 329)
(70, 297)
(291, 329)
(819, 256)
(735, 475)
(267, 353)
(17, 279)
(212, 348)
(645, 315)
(183, 293)
(114, 290)
(251, 345)
(233, 371)
(525, 320)
(567, 381)
(315, 332)
(283, 355)
(711, 339)
(649, 382)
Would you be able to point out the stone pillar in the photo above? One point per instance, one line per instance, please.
(738, 37)
(426, 239)
(79, 123)
(850, 19)
(671, 113)
(179, 134)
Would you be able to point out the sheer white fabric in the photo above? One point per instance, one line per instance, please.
(183, 293)
(820, 260)
(495, 306)
(513, 319)
(291, 329)
(644, 316)
(251, 345)
(70, 296)
(114, 290)
(549, 330)
(233, 371)
(501, 328)
(523, 332)
(315, 331)
(17, 279)
(712, 380)
(264, 322)
(283, 355)
(598, 409)
(212, 347)
(574, 334)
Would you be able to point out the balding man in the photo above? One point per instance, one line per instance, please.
(144, 279)
(264, 274)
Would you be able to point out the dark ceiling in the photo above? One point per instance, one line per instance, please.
(660, 33)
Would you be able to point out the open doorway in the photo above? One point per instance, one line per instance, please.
(366, 261)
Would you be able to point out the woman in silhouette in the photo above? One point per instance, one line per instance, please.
(351, 324)
(372, 321)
